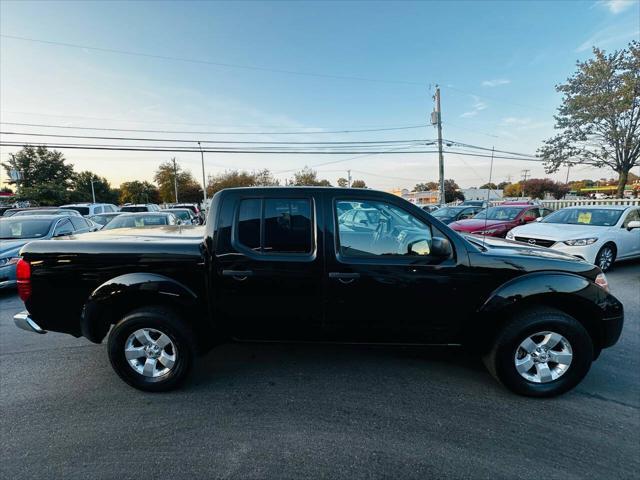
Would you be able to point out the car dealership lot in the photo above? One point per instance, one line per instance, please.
(282, 411)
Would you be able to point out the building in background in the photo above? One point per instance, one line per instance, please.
(419, 198)
(481, 194)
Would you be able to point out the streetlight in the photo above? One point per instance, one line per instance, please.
(204, 182)
(93, 192)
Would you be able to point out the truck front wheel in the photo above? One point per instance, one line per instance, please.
(151, 349)
(541, 352)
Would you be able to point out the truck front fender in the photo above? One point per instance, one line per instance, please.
(575, 295)
(114, 298)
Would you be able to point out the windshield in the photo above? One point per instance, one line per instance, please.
(80, 210)
(447, 212)
(132, 221)
(499, 213)
(103, 219)
(181, 214)
(39, 212)
(15, 228)
(599, 217)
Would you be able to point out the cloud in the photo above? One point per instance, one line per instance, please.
(522, 123)
(478, 105)
(616, 6)
(605, 37)
(496, 83)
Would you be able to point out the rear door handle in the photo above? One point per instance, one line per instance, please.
(237, 274)
(344, 277)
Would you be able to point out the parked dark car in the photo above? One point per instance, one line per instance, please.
(18, 230)
(497, 221)
(452, 214)
(475, 203)
(185, 216)
(280, 264)
(141, 219)
(142, 207)
(104, 218)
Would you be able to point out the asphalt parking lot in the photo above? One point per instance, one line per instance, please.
(301, 411)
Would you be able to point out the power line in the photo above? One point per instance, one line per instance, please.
(407, 127)
(212, 63)
(252, 142)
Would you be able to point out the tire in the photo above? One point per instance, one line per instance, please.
(160, 346)
(538, 381)
(606, 256)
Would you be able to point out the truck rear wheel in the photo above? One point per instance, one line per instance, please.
(541, 353)
(151, 349)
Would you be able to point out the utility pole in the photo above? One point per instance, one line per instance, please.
(204, 181)
(349, 178)
(175, 177)
(525, 175)
(436, 119)
(93, 192)
(568, 168)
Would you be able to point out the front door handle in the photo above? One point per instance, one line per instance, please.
(239, 275)
(344, 277)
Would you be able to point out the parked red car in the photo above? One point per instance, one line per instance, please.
(497, 221)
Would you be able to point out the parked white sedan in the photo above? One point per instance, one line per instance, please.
(598, 234)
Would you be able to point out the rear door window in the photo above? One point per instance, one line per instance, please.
(275, 225)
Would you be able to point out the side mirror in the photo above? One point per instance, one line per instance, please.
(633, 224)
(528, 219)
(539, 219)
(363, 222)
(63, 233)
(419, 247)
(441, 247)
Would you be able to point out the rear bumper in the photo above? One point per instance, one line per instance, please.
(24, 321)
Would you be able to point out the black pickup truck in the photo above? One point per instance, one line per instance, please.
(319, 264)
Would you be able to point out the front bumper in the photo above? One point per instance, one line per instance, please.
(611, 330)
(24, 321)
(585, 252)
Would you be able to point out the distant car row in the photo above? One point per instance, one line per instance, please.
(598, 234)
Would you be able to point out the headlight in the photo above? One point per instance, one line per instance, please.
(510, 235)
(580, 242)
(601, 281)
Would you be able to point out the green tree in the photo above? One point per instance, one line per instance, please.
(502, 185)
(139, 192)
(240, 178)
(45, 177)
(426, 187)
(308, 177)
(599, 117)
(452, 191)
(188, 188)
(358, 184)
(81, 188)
(343, 182)
(491, 186)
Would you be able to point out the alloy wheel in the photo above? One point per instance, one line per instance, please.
(543, 357)
(605, 258)
(150, 352)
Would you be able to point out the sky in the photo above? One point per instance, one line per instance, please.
(310, 67)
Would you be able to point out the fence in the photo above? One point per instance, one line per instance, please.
(556, 204)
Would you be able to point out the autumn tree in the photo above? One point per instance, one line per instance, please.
(237, 178)
(426, 187)
(166, 176)
(139, 192)
(81, 188)
(343, 182)
(599, 119)
(308, 177)
(358, 184)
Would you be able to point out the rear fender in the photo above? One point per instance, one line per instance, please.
(113, 299)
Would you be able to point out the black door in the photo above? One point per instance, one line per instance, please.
(391, 283)
(268, 274)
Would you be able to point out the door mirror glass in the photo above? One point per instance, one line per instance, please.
(419, 247)
(539, 219)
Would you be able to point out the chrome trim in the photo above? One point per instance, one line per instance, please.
(24, 321)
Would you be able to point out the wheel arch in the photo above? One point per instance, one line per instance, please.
(571, 294)
(109, 302)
